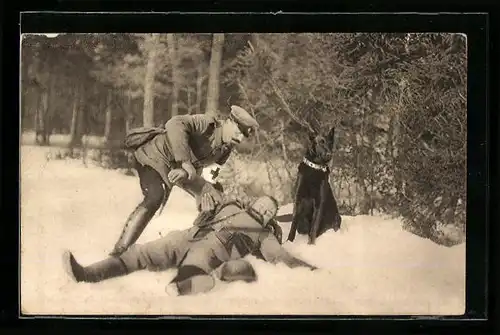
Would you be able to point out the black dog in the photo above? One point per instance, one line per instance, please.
(315, 208)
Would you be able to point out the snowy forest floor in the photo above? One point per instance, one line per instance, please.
(371, 266)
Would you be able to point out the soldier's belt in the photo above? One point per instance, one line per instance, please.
(224, 235)
(230, 239)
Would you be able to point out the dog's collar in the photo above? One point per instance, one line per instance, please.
(315, 166)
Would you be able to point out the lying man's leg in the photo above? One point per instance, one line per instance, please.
(109, 268)
(194, 274)
(156, 255)
(195, 270)
(192, 279)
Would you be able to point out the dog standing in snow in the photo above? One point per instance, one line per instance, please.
(315, 208)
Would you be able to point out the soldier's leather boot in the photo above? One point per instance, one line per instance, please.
(108, 268)
(134, 227)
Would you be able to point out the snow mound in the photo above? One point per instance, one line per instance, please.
(370, 266)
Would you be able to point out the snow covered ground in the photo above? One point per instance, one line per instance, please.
(371, 266)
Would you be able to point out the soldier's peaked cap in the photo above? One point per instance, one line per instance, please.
(243, 118)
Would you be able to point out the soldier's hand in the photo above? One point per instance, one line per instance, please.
(177, 175)
(209, 198)
(189, 168)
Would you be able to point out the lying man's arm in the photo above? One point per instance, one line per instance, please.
(273, 252)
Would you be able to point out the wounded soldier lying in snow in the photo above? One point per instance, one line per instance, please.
(214, 247)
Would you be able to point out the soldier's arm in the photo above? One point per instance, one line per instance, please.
(178, 130)
(273, 252)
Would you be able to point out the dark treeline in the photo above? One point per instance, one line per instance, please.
(401, 148)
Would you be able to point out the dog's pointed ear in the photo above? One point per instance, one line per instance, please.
(331, 136)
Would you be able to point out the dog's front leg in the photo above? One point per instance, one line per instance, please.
(313, 232)
(319, 207)
(293, 227)
(298, 215)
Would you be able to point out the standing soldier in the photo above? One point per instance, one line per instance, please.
(177, 156)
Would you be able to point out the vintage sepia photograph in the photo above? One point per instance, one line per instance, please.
(243, 173)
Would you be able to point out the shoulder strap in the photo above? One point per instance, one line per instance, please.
(208, 218)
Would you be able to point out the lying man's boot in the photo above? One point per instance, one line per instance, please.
(108, 268)
(134, 227)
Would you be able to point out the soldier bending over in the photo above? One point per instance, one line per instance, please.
(177, 156)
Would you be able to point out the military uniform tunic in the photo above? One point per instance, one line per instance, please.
(187, 138)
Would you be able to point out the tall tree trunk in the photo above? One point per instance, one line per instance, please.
(75, 116)
(81, 121)
(214, 74)
(51, 105)
(361, 188)
(128, 113)
(24, 89)
(190, 106)
(172, 51)
(372, 173)
(38, 120)
(42, 112)
(395, 130)
(149, 81)
(109, 116)
(199, 88)
(34, 102)
(28, 106)
(47, 90)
